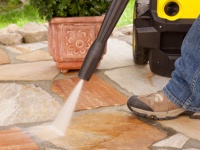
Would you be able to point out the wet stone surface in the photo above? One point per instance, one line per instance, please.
(111, 129)
(95, 93)
(16, 139)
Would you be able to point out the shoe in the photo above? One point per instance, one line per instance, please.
(157, 106)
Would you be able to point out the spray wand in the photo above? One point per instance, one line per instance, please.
(96, 50)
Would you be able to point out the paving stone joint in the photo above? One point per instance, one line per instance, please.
(33, 91)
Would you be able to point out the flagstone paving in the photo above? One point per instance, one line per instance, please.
(176, 141)
(26, 104)
(32, 92)
(38, 55)
(4, 58)
(138, 80)
(33, 71)
(25, 48)
(185, 125)
(117, 56)
(95, 93)
(103, 130)
(16, 139)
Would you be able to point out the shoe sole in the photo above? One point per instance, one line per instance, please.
(163, 115)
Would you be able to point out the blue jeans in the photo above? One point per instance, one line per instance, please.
(184, 87)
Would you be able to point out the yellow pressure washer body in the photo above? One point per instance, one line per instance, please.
(158, 32)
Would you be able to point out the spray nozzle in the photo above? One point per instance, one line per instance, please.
(97, 48)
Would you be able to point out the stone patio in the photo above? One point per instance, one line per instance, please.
(33, 91)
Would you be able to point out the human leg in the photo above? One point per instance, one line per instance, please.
(183, 89)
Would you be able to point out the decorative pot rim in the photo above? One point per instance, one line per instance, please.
(77, 19)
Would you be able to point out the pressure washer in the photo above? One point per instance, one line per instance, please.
(158, 32)
(159, 28)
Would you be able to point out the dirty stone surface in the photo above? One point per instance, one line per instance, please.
(33, 91)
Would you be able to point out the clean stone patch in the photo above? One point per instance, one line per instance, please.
(38, 55)
(119, 54)
(35, 71)
(4, 58)
(94, 94)
(176, 141)
(26, 48)
(25, 104)
(137, 79)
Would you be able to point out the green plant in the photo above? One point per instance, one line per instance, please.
(7, 5)
(70, 8)
(127, 16)
(20, 16)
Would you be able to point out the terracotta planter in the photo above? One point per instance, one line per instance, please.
(70, 38)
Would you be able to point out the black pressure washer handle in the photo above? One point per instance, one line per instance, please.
(96, 50)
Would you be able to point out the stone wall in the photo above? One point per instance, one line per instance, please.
(33, 32)
(29, 33)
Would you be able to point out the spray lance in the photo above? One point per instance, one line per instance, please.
(96, 50)
(90, 62)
